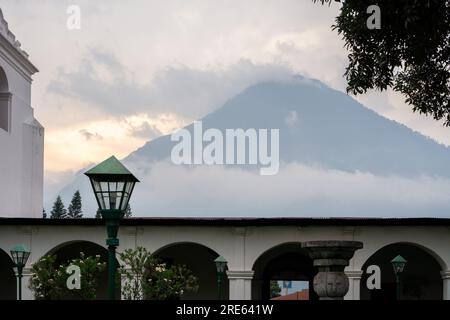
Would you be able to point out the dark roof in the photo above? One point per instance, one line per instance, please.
(205, 221)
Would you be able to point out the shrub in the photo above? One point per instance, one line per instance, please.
(145, 277)
(49, 282)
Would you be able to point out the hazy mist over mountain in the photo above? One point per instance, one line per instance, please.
(338, 158)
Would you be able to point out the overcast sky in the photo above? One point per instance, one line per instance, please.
(140, 69)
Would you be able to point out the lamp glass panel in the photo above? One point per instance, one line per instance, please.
(24, 257)
(100, 200)
(220, 267)
(126, 197)
(124, 202)
(14, 256)
(398, 267)
(129, 188)
(114, 198)
(96, 185)
(112, 195)
(104, 186)
(20, 257)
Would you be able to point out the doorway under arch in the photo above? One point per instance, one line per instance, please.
(200, 260)
(421, 278)
(71, 250)
(8, 282)
(285, 263)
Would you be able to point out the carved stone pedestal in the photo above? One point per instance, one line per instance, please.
(331, 258)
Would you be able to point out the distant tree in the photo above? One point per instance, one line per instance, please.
(128, 212)
(409, 50)
(275, 290)
(98, 215)
(75, 206)
(44, 214)
(58, 210)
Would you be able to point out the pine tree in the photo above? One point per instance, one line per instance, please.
(128, 212)
(75, 206)
(58, 210)
(44, 213)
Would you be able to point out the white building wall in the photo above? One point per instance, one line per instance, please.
(22, 148)
(240, 246)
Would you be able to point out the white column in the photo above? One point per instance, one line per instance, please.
(27, 294)
(354, 281)
(445, 284)
(123, 280)
(240, 283)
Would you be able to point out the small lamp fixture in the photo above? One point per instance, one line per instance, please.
(20, 254)
(221, 265)
(398, 263)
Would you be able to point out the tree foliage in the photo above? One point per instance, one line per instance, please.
(49, 281)
(168, 283)
(42, 281)
(58, 210)
(275, 289)
(146, 277)
(133, 272)
(409, 53)
(75, 207)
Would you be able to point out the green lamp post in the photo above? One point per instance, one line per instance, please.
(398, 263)
(20, 256)
(113, 185)
(221, 265)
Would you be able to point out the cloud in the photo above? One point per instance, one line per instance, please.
(89, 135)
(297, 190)
(181, 90)
(54, 181)
(145, 131)
(291, 119)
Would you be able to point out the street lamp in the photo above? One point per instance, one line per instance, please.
(20, 256)
(221, 265)
(398, 263)
(113, 185)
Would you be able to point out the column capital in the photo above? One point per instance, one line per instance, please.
(445, 274)
(354, 274)
(247, 275)
(26, 271)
